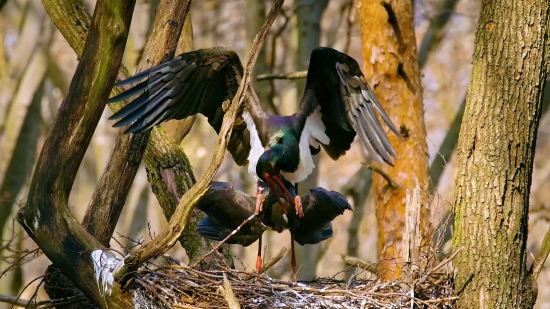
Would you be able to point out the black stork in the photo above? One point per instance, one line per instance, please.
(227, 208)
(337, 103)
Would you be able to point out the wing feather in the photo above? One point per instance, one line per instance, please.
(336, 84)
(192, 83)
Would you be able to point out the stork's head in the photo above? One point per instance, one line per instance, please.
(269, 167)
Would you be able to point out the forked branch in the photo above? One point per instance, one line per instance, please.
(46, 217)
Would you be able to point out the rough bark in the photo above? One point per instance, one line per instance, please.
(391, 67)
(495, 156)
(46, 216)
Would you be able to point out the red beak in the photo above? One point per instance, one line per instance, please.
(274, 181)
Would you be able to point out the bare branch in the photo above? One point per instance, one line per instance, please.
(366, 265)
(227, 292)
(289, 76)
(16, 301)
(542, 255)
(378, 170)
(436, 268)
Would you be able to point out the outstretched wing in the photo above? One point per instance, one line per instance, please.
(336, 84)
(194, 82)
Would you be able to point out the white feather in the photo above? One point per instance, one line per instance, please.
(313, 133)
(256, 148)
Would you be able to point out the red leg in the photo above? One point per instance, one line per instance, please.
(298, 203)
(259, 257)
(293, 259)
(259, 199)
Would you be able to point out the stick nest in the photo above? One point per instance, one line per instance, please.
(177, 286)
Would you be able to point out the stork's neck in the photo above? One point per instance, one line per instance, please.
(254, 108)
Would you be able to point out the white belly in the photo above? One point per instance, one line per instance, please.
(313, 134)
(256, 148)
(314, 130)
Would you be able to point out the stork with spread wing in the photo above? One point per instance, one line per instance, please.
(337, 104)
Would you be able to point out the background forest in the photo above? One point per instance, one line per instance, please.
(37, 64)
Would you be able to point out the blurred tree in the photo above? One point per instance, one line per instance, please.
(308, 16)
(495, 157)
(391, 63)
(255, 16)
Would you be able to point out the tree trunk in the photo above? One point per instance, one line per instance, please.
(46, 216)
(391, 68)
(495, 156)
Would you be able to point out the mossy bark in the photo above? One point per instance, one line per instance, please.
(73, 21)
(495, 155)
(46, 216)
(391, 68)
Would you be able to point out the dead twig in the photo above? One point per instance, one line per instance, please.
(542, 255)
(223, 241)
(378, 170)
(43, 304)
(366, 265)
(288, 76)
(227, 292)
(436, 268)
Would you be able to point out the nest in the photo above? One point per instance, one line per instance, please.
(421, 286)
(177, 286)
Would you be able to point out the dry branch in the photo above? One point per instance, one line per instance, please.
(179, 220)
(366, 265)
(227, 292)
(43, 304)
(542, 255)
(289, 76)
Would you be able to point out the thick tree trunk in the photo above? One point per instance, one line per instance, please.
(391, 68)
(495, 155)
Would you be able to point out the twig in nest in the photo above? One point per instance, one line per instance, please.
(223, 241)
(366, 265)
(270, 263)
(443, 263)
(227, 292)
(378, 170)
(292, 75)
(184, 306)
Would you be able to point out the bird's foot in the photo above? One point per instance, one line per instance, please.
(298, 206)
(259, 203)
